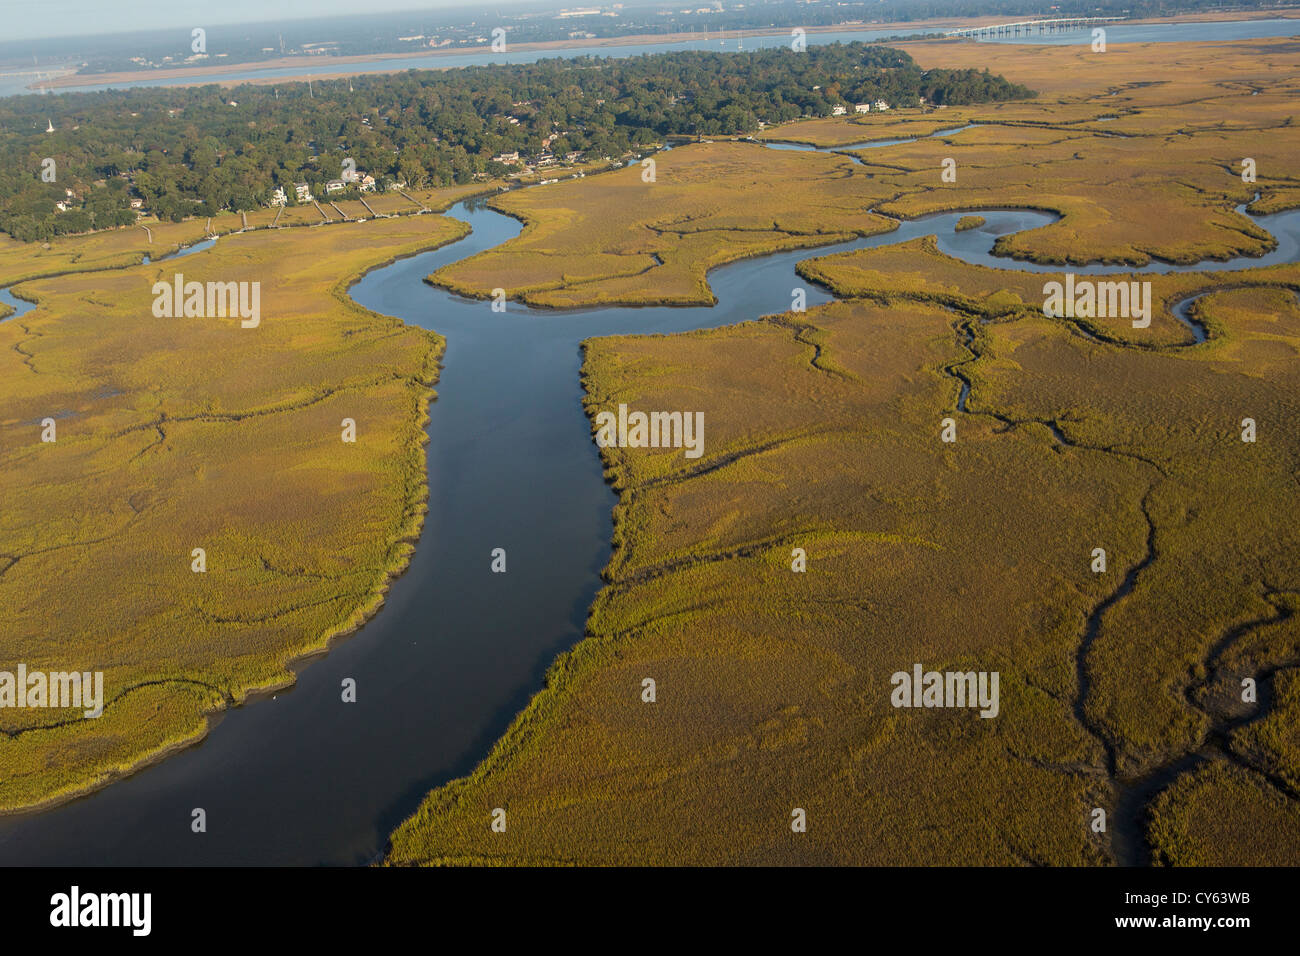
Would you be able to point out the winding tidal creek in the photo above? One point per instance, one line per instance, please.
(456, 651)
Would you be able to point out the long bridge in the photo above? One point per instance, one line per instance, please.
(1028, 27)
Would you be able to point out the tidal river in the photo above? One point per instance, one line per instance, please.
(456, 650)
(1202, 32)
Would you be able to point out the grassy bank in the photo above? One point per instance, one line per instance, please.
(183, 433)
(773, 685)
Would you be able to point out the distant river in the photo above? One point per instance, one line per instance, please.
(456, 651)
(1115, 33)
(1218, 32)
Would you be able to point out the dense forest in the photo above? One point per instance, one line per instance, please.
(198, 150)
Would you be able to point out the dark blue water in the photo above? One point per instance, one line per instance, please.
(457, 650)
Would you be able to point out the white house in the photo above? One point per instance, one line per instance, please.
(335, 186)
(862, 108)
(278, 198)
(881, 105)
(303, 192)
(838, 111)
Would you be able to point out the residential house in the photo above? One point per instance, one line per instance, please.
(303, 192)
(862, 107)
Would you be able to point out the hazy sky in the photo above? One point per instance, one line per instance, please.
(27, 19)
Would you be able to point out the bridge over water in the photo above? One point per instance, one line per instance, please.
(1031, 27)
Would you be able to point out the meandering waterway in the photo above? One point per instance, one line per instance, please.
(456, 650)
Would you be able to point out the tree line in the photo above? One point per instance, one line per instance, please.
(197, 151)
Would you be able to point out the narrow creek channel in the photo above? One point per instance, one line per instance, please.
(456, 650)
